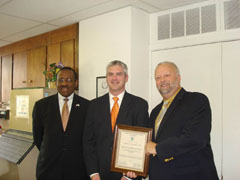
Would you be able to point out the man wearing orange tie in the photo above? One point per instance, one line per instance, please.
(115, 107)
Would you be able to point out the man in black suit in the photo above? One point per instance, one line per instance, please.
(181, 147)
(99, 131)
(60, 143)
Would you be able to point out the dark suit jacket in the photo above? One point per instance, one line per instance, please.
(60, 153)
(183, 140)
(98, 136)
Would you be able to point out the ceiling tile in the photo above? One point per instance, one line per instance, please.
(46, 10)
(93, 11)
(31, 32)
(145, 6)
(11, 25)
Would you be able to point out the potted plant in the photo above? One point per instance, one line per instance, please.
(51, 74)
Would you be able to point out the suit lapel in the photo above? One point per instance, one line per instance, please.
(170, 109)
(72, 112)
(123, 111)
(56, 111)
(105, 112)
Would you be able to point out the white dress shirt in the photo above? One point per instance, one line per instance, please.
(61, 101)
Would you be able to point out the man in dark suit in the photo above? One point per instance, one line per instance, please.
(181, 147)
(99, 130)
(59, 140)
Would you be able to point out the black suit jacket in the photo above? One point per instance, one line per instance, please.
(60, 155)
(98, 136)
(183, 140)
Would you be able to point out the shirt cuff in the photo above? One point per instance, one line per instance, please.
(93, 175)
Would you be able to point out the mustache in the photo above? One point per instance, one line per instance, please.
(63, 86)
(164, 83)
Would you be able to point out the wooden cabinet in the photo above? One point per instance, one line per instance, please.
(20, 69)
(28, 68)
(53, 54)
(62, 52)
(6, 78)
(36, 65)
(33, 55)
(67, 53)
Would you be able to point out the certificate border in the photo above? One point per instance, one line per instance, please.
(116, 139)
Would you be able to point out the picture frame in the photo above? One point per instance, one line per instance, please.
(129, 149)
(101, 86)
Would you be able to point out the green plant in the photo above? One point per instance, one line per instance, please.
(51, 72)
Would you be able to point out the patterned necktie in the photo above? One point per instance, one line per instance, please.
(114, 112)
(160, 116)
(65, 114)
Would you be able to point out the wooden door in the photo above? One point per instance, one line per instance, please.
(53, 54)
(6, 78)
(67, 53)
(231, 106)
(20, 69)
(35, 66)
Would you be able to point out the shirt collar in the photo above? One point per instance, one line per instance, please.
(62, 97)
(120, 96)
(169, 100)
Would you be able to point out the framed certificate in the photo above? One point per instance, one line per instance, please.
(129, 149)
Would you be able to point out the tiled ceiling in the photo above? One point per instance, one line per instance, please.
(20, 19)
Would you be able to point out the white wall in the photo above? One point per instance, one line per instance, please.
(140, 53)
(111, 36)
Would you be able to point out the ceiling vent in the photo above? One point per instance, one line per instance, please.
(193, 21)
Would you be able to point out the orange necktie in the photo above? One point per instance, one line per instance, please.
(114, 112)
(65, 114)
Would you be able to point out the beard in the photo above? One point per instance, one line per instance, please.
(171, 87)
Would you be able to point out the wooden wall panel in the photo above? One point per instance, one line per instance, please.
(26, 44)
(6, 77)
(63, 34)
(20, 69)
(52, 37)
(67, 53)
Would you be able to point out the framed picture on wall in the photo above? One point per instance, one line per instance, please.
(101, 86)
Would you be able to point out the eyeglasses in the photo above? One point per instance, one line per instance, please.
(68, 80)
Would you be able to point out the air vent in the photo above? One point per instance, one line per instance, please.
(192, 21)
(208, 17)
(164, 27)
(187, 22)
(232, 14)
(178, 24)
